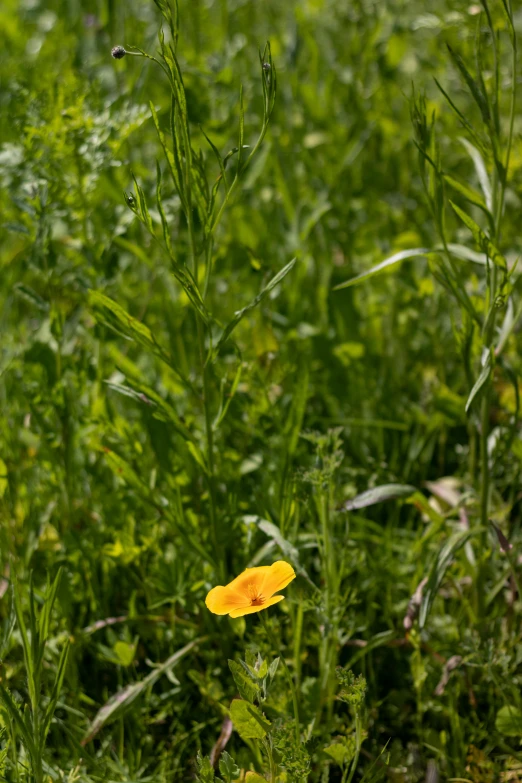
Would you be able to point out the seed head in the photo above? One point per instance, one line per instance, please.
(118, 52)
(266, 66)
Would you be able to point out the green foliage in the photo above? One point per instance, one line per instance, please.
(256, 304)
(353, 689)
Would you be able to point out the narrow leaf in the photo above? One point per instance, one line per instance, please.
(124, 698)
(438, 570)
(229, 328)
(16, 716)
(379, 495)
(480, 169)
(55, 693)
(473, 86)
(386, 264)
(480, 238)
(479, 383)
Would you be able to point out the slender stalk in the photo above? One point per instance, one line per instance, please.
(288, 677)
(358, 743)
(271, 762)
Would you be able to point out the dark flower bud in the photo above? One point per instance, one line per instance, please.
(266, 66)
(118, 52)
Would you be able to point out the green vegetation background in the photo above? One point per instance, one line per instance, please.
(328, 393)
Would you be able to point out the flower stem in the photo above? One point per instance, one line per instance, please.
(288, 676)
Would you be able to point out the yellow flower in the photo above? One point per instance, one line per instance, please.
(251, 591)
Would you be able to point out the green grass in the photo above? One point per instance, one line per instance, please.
(207, 364)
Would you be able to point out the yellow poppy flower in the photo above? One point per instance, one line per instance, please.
(251, 591)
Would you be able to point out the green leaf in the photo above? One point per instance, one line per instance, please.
(147, 395)
(248, 720)
(3, 478)
(438, 570)
(124, 698)
(240, 314)
(379, 640)
(136, 250)
(205, 770)
(457, 250)
(109, 312)
(386, 264)
(469, 193)
(473, 86)
(198, 456)
(509, 721)
(480, 238)
(379, 495)
(228, 767)
(480, 169)
(12, 709)
(341, 752)
(122, 469)
(55, 693)
(26, 292)
(248, 689)
(479, 383)
(125, 652)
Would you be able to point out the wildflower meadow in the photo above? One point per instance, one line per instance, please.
(260, 375)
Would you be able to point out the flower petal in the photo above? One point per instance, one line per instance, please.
(221, 600)
(250, 576)
(278, 576)
(251, 609)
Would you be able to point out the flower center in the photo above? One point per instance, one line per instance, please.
(256, 599)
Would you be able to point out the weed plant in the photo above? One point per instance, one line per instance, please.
(260, 302)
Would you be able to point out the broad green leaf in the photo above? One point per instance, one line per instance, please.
(124, 698)
(438, 570)
(125, 652)
(228, 767)
(248, 720)
(378, 495)
(229, 328)
(509, 721)
(248, 689)
(341, 752)
(480, 238)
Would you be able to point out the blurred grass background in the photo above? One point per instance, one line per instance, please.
(97, 483)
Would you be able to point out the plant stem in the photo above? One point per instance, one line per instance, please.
(288, 676)
(273, 770)
(358, 732)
